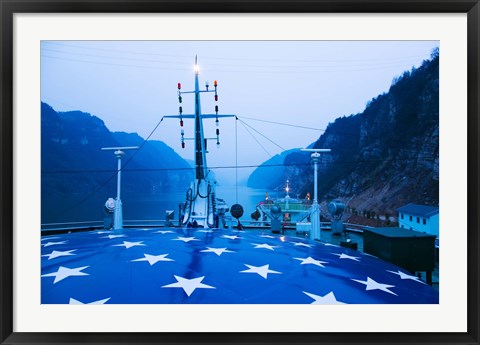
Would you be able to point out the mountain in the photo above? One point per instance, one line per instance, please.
(271, 173)
(384, 157)
(74, 166)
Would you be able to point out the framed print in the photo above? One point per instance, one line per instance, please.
(239, 172)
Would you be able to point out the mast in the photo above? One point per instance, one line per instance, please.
(200, 204)
(200, 157)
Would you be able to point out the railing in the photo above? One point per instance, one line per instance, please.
(289, 207)
(229, 224)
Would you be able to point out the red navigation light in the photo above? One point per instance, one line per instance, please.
(181, 123)
(215, 83)
(216, 98)
(179, 86)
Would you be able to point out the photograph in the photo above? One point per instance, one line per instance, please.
(240, 172)
(235, 172)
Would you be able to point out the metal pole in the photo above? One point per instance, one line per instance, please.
(315, 232)
(315, 213)
(118, 212)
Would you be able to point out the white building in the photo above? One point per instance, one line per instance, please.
(419, 218)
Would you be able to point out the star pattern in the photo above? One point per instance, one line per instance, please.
(49, 238)
(262, 271)
(188, 285)
(102, 301)
(218, 251)
(48, 244)
(185, 239)
(302, 244)
(160, 269)
(327, 299)
(231, 237)
(65, 272)
(127, 244)
(56, 254)
(311, 261)
(407, 276)
(345, 256)
(264, 245)
(373, 285)
(113, 236)
(164, 232)
(153, 259)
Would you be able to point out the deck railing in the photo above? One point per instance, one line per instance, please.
(230, 223)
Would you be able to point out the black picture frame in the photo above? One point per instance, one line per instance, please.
(10, 7)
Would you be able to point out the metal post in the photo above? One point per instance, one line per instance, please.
(315, 232)
(315, 210)
(118, 212)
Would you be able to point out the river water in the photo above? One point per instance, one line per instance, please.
(78, 208)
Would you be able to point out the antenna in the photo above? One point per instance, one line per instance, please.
(117, 211)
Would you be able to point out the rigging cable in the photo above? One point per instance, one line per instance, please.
(243, 122)
(102, 185)
(236, 160)
(258, 142)
(284, 124)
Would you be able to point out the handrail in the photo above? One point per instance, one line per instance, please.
(97, 224)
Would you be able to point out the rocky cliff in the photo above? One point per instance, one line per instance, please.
(384, 157)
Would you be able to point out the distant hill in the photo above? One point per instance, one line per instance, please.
(382, 158)
(74, 166)
(271, 173)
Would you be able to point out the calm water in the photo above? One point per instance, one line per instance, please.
(77, 208)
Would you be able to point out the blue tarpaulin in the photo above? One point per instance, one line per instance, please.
(205, 266)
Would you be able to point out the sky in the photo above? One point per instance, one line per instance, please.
(284, 93)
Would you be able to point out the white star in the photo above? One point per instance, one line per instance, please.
(56, 254)
(185, 239)
(407, 276)
(327, 299)
(49, 238)
(206, 231)
(164, 232)
(189, 285)
(373, 285)
(113, 236)
(302, 244)
(312, 261)
(217, 251)
(266, 236)
(53, 243)
(345, 256)
(264, 245)
(127, 244)
(234, 237)
(260, 270)
(153, 259)
(74, 301)
(64, 272)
